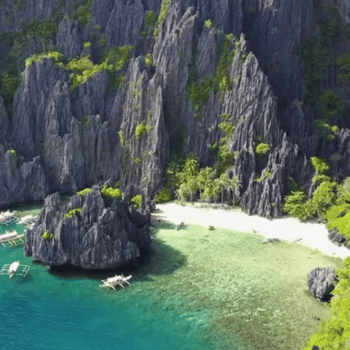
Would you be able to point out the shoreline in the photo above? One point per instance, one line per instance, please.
(311, 235)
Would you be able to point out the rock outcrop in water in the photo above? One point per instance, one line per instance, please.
(67, 139)
(102, 234)
(320, 282)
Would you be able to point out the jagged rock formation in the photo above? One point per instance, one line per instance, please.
(338, 239)
(105, 234)
(69, 139)
(320, 282)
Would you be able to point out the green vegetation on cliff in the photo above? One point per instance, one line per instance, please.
(262, 149)
(324, 196)
(72, 212)
(136, 201)
(47, 236)
(84, 192)
(111, 192)
(188, 180)
(334, 332)
(83, 68)
(162, 14)
(142, 129)
(199, 93)
(82, 12)
(55, 55)
(150, 21)
(322, 54)
(330, 200)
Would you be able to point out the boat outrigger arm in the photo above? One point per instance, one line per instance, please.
(14, 269)
(112, 282)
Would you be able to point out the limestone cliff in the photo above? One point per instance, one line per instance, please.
(100, 234)
(123, 125)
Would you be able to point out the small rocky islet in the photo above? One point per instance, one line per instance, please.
(98, 234)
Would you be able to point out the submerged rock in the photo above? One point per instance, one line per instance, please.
(271, 240)
(320, 282)
(96, 236)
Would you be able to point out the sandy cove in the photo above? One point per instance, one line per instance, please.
(312, 235)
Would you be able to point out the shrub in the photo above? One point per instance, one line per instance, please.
(317, 179)
(338, 217)
(110, 192)
(83, 14)
(13, 152)
(136, 201)
(150, 20)
(8, 85)
(334, 332)
(141, 130)
(148, 60)
(83, 68)
(343, 61)
(199, 94)
(208, 23)
(121, 136)
(335, 128)
(84, 192)
(262, 149)
(164, 195)
(323, 197)
(227, 127)
(102, 42)
(162, 14)
(137, 160)
(55, 55)
(320, 165)
(344, 191)
(72, 212)
(47, 236)
(294, 205)
(331, 106)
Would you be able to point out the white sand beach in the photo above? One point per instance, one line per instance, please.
(313, 235)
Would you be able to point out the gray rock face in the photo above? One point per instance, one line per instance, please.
(320, 282)
(99, 237)
(69, 38)
(275, 29)
(338, 239)
(344, 8)
(72, 139)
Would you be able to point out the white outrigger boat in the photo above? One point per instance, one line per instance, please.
(112, 282)
(14, 269)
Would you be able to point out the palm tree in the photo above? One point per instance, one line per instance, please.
(224, 184)
(192, 186)
(204, 179)
(234, 183)
(182, 192)
(216, 189)
(191, 167)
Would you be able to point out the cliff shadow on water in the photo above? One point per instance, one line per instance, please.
(161, 259)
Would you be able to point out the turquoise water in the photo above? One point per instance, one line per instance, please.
(199, 289)
(69, 311)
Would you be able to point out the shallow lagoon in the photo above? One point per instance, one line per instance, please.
(199, 289)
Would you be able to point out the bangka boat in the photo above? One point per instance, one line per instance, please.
(14, 269)
(112, 282)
